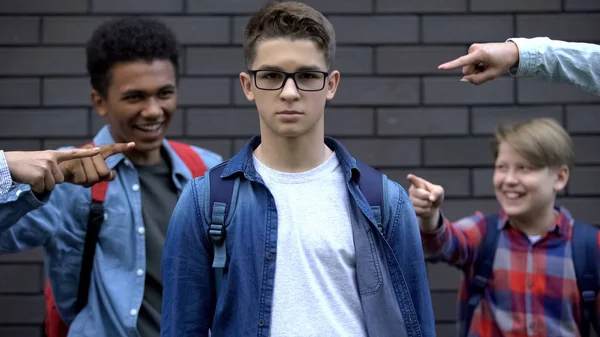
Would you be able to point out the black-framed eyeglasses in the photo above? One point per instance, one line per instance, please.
(306, 80)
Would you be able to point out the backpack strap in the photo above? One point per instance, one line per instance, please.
(190, 158)
(371, 184)
(95, 221)
(482, 268)
(221, 202)
(585, 252)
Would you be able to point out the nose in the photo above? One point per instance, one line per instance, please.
(153, 109)
(289, 92)
(511, 178)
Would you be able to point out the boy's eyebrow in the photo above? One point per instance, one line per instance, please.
(309, 68)
(143, 92)
(301, 68)
(133, 92)
(167, 87)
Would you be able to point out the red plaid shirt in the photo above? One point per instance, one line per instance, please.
(533, 290)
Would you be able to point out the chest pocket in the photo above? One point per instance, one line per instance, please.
(107, 212)
(112, 239)
(114, 236)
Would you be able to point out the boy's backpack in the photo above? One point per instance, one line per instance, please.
(584, 245)
(223, 198)
(54, 325)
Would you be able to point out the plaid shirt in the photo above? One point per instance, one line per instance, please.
(533, 291)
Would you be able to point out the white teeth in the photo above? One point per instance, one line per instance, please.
(150, 127)
(512, 195)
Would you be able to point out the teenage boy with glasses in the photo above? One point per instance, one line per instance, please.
(299, 243)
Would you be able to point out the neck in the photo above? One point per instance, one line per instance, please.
(145, 158)
(535, 224)
(140, 158)
(298, 154)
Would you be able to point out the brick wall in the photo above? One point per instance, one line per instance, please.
(393, 109)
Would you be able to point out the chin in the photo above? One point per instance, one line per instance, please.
(148, 145)
(287, 132)
(513, 210)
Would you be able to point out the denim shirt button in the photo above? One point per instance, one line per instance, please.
(269, 256)
(261, 322)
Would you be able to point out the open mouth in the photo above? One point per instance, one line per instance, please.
(513, 195)
(149, 127)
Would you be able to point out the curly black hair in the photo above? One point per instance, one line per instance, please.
(126, 40)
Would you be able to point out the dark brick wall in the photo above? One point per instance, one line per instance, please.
(393, 109)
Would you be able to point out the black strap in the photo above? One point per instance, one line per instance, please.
(371, 186)
(483, 268)
(95, 220)
(585, 253)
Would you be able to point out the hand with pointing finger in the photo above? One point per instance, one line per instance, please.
(89, 170)
(485, 62)
(42, 170)
(426, 198)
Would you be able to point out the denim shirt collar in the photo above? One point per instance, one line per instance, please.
(180, 173)
(242, 162)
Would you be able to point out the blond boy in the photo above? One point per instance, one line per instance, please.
(529, 287)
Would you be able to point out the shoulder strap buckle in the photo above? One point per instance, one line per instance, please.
(217, 223)
(588, 296)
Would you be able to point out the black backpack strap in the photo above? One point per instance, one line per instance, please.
(371, 184)
(222, 197)
(95, 221)
(585, 254)
(482, 268)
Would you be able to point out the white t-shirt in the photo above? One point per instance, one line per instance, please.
(315, 291)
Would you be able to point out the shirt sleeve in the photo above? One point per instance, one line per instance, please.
(575, 63)
(6, 181)
(455, 243)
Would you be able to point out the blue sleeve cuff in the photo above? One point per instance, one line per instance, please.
(28, 201)
(530, 56)
(6, 181)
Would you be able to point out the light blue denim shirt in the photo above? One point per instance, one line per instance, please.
(59, 225)
(570, 62)
(5, 178)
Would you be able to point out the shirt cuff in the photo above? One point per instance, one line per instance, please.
(6, 181)
(530, 57)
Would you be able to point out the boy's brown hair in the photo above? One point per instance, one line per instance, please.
(291, 20)
(542, 141)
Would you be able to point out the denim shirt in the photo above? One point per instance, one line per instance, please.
(390, 269)
(5, 179)
(59, 223)
(575, 63)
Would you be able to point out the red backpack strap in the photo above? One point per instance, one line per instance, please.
(190, 158)
(95, 221)
(54, 325)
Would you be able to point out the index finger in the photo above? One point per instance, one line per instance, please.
(112, 149)
(64, 155)
(417, 181)
(472, 58)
